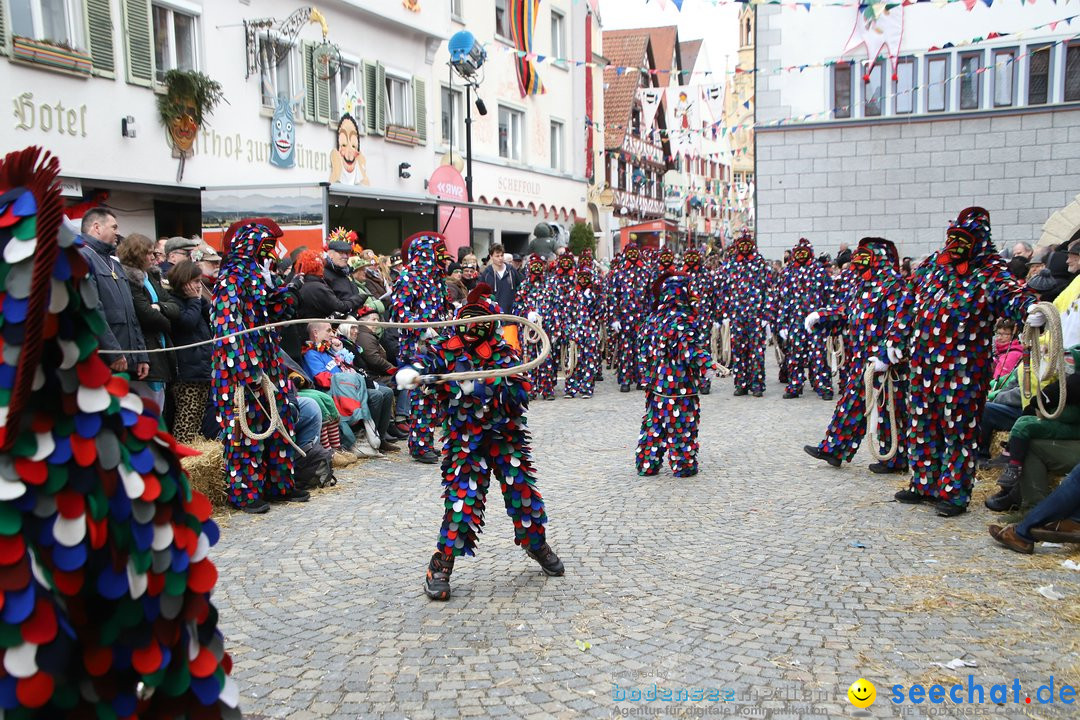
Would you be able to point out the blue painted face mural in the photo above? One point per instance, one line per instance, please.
(283, 134)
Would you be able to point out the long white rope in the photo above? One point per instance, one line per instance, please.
(834, 348)
(876, 400)
(1038, 359)
(568, 357)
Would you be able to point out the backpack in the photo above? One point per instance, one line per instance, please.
(315, 469)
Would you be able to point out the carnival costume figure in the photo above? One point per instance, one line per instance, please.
(248, 376)
(628, 305)
(867, 312)
(419, 296)
(560, 289)
(744, 303)
(533, 303)
(676, 361)
(945, 328)
(106, 575)
(804, 286)
(586, 316)
(486, 432)
(703, 287)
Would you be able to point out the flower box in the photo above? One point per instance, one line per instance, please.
(402, 135)
(45, 54)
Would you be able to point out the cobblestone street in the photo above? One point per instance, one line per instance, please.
(772, 578)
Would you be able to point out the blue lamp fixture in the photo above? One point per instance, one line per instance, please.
(466, 54)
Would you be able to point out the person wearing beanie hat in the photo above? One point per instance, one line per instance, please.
(455, 288)
(585, 313)
(256, 470)
(875, 288)
(945, 330)
(744, 301)
(676, 360)
(486, 433)
(803, 287)
(627, 306)
(420, 295)
(533, 302)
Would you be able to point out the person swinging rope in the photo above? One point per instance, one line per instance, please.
(485, 429)
(875, 291)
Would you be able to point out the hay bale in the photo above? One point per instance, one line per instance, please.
(206, 472)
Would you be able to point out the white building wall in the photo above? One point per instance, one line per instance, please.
(904, 177)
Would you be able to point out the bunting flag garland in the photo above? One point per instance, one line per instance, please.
(650, 103)
(877, 27)
(714, 100)
(522, 25)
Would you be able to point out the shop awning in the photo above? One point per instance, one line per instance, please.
(399, 200)
(122, 185)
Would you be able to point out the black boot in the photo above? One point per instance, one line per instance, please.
(909, 497)
(788, 395)
(879, 468)
(1006, 500)
(624, 388)
(948, 509)
(548, 560)
(437, 584)
(739, 392)
(816, 452)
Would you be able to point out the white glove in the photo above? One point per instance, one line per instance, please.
(534, 317)
(430, 334)
(616, 326)
(407, 379)
(783, 335)
(1035, 318)
(895, 355)
(467, 386)
(811, 320)
(880, 365)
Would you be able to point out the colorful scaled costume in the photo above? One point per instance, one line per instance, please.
(251, 365)
(945, 327)
(628, 304)
(703, 286)
(866, 313)
(485, 432)
(532, 302)
(419, 296)
(106, 580)
(560, 291)
(585, 317)
(676, 361)
(743, 301)
(803, 287)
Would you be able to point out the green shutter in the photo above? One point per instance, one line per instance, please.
(99, 29)
(419, 88)
(371, 96)
(139, 42)
(309, 80)
(322, 95)
(380, 99)
(3, 30)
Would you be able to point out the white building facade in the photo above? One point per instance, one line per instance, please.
(977, 107)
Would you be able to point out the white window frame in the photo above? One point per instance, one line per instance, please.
(505, 5)
(456, 11)
(912, 92)
(852, 97)
(558, 34)
(172, 8)
(928, 62)
(883, 93)
(457, 98)
(336, 89)
(558, 149)
(998, 67)
(515, 141)
(396, 76)
(1031, 51)
(74, 18)
(292, 62)
(977, 79)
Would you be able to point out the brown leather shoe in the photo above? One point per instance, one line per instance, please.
(1062, 531)
(1007, 536)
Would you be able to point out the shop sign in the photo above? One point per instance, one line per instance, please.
(37, 115)
(446, 182)
(518, 185)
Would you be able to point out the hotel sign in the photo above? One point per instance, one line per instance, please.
(639, 205)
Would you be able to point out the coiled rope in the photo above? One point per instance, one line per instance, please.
(834, 349)
(720, 343)
(568, 357)
(878, 400)
(1038, 359)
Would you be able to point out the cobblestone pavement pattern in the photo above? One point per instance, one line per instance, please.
(750, 576)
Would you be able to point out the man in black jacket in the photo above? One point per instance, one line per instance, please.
(337, 273)
(503, 279)
(122, 331)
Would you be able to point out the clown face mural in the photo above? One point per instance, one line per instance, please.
(283, 134)
(347, 164)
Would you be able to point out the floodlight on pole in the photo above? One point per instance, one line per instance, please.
(466, 54)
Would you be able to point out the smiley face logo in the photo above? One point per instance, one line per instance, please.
(862, 693)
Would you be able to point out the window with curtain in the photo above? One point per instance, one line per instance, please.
(937, 83)
(399, 101)
(874, 90)
(1072, 72)
(970, 81)
(57, 21)
(174, 41)
(1004, 75)
(453, 101)
(841, 91)
(557, 133)
(904, 87)
(558, 34)
(511, 124)
(1039, 64)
